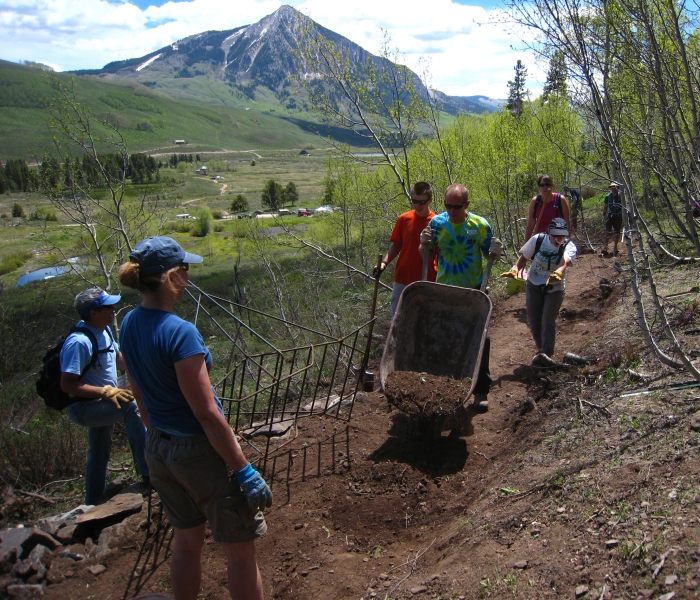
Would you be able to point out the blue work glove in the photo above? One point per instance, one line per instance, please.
(256, 491)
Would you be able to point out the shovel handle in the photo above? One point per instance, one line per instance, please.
(487, 272)
(426, 263)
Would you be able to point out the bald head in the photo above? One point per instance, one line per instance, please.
(458, 193)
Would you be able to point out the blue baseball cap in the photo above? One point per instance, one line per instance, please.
(93, 299)
(159, 253)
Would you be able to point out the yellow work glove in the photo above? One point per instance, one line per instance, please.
(377, 271)
(513, 273)
(116, 395)
(555, 277)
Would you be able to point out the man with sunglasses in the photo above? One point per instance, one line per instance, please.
(404, 243)
(99, 403)
(462, 239)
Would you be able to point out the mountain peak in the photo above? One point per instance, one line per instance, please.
(264, 54)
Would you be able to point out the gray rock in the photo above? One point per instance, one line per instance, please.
(121, 504)
(40, 555)
(667, 596)
(65, 534)
(521, 564)
(22, 569)
(695, 421)
(17, 543)
(25, 592)
(97, 570)
(55, 576)
(277, 429)
(671, 580)
(611, 543)
(107, 537)
(51, 525)
(581, 590)
(419, 589)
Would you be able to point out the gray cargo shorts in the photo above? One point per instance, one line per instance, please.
(195, 485)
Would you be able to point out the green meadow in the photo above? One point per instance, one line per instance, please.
(149, 120)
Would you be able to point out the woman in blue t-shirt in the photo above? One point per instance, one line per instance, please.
(190, 447)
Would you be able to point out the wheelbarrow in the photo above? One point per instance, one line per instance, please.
(438, 329)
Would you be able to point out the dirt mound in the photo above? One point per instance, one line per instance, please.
(424, 395)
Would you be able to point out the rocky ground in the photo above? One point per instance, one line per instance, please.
(563, 489)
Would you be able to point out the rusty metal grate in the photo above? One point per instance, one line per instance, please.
(265, 389)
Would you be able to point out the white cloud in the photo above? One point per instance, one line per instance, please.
(468, 53)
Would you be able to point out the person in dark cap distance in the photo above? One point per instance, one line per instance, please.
(551, 254)
(190, 447)
(612, 217)
(99, 402)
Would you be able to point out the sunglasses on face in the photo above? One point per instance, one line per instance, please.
(419, 202)
(454, 206)
(185, 266)
(546, 185)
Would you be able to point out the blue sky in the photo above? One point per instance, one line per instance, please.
(464, 42)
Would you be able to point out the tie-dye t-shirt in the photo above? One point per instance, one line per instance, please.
(460, 247)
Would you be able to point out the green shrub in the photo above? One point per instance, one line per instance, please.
(204, 223)
(144, 125)
(44, 214)
(218, 227)
(217, 214)
(14, 261)
(37, 445)
(181, 226)
(239, 204)
(17, 210)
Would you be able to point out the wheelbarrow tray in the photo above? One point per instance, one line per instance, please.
(437, 329)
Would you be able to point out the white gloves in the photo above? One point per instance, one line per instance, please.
(426, 236)
(496, 248)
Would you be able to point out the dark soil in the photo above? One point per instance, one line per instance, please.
(562, 489)
(425, 395)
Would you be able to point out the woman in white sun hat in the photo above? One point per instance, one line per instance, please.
(551, 254)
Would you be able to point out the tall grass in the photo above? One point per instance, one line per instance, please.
(14, 261)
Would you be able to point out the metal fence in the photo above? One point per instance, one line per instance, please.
(265, 389)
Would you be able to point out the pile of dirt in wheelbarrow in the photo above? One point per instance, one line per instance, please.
(424, 395)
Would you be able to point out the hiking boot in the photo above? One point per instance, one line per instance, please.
(615, 253)
(574, 359)
(481, 402)
(604, 254)
(542, 360)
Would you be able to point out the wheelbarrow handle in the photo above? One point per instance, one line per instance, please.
(487, 272)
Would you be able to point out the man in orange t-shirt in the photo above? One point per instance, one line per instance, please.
(405, 240)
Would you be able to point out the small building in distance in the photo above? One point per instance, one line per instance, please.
(203, 170)
(180, 143)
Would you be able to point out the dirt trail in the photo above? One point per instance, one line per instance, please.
(366, 512)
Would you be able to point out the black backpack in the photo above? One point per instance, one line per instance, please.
(538, 245)
(48, 386)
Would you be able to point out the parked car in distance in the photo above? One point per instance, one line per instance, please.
(302, 212)
(283, 211)
(258, 212)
